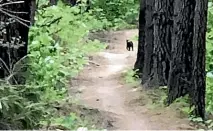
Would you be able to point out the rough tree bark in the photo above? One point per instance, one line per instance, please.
(13, 36)
(175, 45)
(149, 43)
(141, 39)
(199, 50)
(154, 42)
(179, 82)
(162, 41)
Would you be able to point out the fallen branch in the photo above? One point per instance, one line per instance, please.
(94, 63)
(52, 22)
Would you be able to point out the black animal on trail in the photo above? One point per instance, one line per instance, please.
(129, 44)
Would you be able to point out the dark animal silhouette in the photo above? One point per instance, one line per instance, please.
(129, 44)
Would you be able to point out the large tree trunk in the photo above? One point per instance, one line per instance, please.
(179, 82)
(172, 51)
(162, 42)
(141, 38)
(14, 38)
(199, 50)
(149, 43)
(154, 42)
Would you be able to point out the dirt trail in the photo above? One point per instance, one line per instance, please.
(101, 89)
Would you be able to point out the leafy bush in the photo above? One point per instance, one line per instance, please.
(130, 77)
(20, 107)
(209, 61)
(116, 13)
(57, 51)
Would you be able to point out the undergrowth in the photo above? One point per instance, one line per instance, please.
(209, 61)
(209, 68)
(130, 77)
(57, 51)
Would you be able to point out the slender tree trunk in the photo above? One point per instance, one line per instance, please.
(14, 39)
(33, 11)
(53, 2)
(199, 50)
(73, 2)
(88, 6)
(141, 38)
(179, 82)
(70, 2)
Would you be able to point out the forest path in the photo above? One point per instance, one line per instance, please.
(101, 88)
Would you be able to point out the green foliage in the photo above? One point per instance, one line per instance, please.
(70, 121)
(209, 123)
(209, 61)
(196, 119)
(135, 38)
(58, 46)
(131, 77)
(209, 95)
(209, 69)
(209, 40)
(116, 13)
(20, 107)
(57, 51)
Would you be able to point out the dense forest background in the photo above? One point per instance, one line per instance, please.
(43, 44)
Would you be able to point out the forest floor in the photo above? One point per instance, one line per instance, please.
(123, 107)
